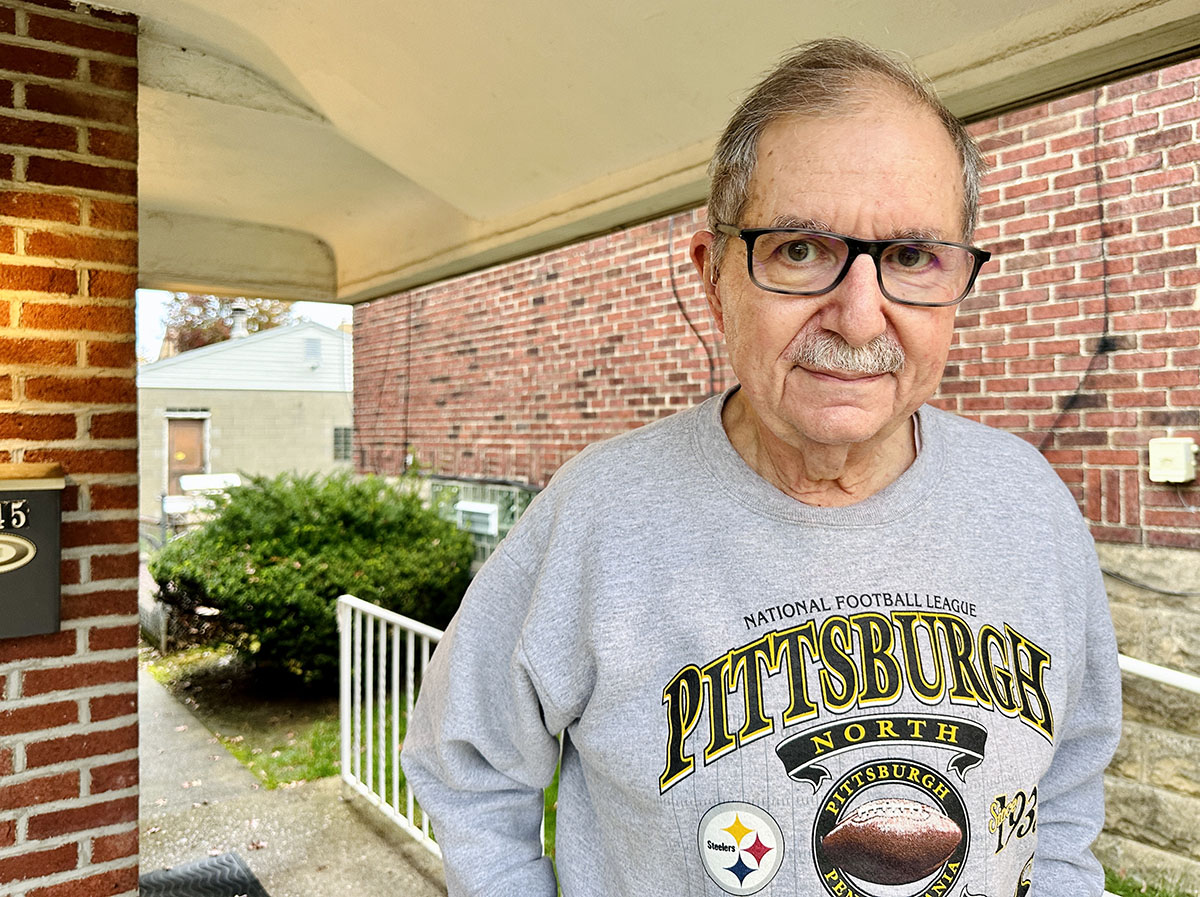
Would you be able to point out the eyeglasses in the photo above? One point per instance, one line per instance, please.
(801, 262)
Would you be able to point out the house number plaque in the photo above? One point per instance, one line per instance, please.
(30, 523)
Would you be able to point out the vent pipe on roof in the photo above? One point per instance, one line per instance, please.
(239, 310)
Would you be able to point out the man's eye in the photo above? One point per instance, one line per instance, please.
(799, 251)
(912, 257)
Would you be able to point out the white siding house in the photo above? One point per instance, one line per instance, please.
(274, 401)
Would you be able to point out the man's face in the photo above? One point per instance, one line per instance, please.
(888, 171)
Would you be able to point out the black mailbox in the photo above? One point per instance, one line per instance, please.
(30, 522)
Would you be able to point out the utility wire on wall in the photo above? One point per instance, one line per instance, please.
(712, 365)
(1106, 343)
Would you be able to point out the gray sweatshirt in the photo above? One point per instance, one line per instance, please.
(913, 695)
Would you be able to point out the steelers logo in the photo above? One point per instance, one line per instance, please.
(741, 847)
(15, 551)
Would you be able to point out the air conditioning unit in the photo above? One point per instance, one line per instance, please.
(478, 518)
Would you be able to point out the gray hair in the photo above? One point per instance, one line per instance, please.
(823, 77)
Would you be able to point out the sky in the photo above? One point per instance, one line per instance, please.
(151, 304)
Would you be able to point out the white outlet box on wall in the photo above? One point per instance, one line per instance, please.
(1173, 459)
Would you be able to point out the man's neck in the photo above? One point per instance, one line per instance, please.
(815, 473)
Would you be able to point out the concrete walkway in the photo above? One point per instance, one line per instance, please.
(197, 800)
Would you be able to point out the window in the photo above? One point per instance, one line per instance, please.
(342, 440)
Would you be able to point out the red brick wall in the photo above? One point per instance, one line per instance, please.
(68, 256)
(509, 372)
(1083, 336)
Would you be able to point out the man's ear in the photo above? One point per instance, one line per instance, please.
(701, 252)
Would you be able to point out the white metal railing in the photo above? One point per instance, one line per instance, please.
(1163, 675)
(374, 644)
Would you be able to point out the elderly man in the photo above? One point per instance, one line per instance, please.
(813, 636)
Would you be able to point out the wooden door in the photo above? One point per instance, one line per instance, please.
(185, 450)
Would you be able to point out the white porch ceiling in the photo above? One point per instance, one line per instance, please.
(311, 149)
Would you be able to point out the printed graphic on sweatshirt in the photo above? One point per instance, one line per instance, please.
(1024, 882)
(741, 846)
(887, 808)
(844, 664)
(891, 823)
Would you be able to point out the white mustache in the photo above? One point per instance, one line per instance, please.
(829, 352)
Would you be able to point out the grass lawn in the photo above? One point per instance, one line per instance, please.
(1136, 886)
(282, 737)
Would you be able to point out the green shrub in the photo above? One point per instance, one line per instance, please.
(280, 550)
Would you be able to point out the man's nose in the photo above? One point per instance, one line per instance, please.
(854, 309)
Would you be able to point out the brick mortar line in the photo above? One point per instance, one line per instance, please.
(116, 793)
(63, 264)
(122, 583)
(71, 229)
(104, 443)
(75, 300)
(105, 621)
(80, 373)
(77, 16)
(79, 838)
(75, 590)
(81, 652)
(76, 84)
(29, 369)
(22, 38)
(24, 151)
(39, 189)
(100, 760)
(18, 443)
(67, 661)
(70, 121)
(83, 372)
(101, 479)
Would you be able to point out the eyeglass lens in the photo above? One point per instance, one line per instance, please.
(910, 272)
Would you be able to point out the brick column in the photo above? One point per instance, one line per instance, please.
(68, 257)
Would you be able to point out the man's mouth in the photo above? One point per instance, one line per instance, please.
(841, 376)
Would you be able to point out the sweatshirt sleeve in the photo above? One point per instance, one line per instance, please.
(481, 744)
(1071, 793)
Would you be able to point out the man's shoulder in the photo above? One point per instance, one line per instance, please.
(999, 457)
(963, 433)
(612, 485)
(647, 451)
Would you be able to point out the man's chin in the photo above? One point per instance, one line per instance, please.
(842, 425)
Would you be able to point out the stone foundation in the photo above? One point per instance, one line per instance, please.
(1154, 781)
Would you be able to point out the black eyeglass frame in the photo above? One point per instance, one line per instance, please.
(857, 247)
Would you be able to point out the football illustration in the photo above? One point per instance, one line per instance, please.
(892, 841)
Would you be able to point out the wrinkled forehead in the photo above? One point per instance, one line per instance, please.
(886, 152)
